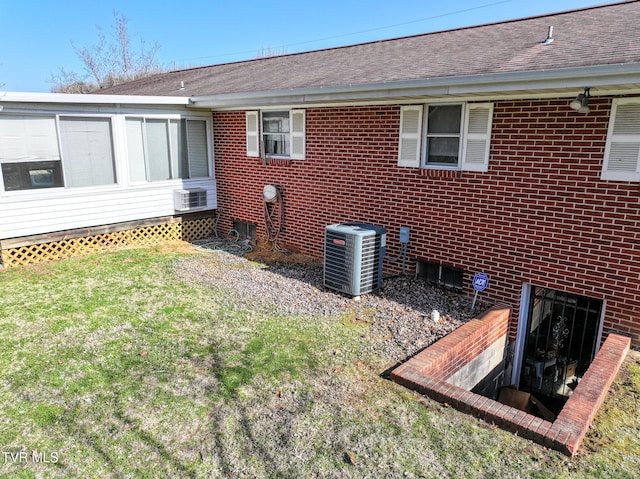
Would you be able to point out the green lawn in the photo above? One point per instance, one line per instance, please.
(114, 368)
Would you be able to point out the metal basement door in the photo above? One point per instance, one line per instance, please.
(561, 341)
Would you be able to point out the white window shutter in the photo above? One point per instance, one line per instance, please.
(410, 136)
(253, 133)
(476, 137)
(622, 150)
(298, 143)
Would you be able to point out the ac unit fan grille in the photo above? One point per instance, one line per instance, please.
(369, 263)
(337, 274)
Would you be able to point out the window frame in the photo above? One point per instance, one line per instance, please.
(111, 140)
(184, 123)
(476, 123)
(424, 162)
(286, 135)
(144, 134)
(57, 118)
(295, 137)
(182, 161)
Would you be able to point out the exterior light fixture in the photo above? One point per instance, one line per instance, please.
(581, 103)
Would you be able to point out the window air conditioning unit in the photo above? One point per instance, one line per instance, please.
(353, 254)
(188, 200)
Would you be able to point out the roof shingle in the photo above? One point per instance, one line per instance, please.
(604, 35)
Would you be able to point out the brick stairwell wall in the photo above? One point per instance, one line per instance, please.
(457, 358)
(430, 372)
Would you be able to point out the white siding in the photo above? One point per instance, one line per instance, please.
(25, 213)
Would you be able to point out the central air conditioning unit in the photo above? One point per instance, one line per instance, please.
(353, 254)
(189, 200)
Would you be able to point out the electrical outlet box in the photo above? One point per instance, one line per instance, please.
(404, 234)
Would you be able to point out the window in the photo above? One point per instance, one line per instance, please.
(87, 151)
(163, 149)
(276, 134)
(195, 161)
(622, 150)
(29, 152)
(443, 126)
(39, 151)
(30, 175)
(445, 136)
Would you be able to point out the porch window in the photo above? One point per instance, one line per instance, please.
(29, 152)
(162, 149)
(87, 151)
(447, 136)
(28, 175)
(195, 160)
(40, 151)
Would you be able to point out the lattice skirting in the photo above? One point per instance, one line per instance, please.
(144, 236)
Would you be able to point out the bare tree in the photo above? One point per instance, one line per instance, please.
(109, 62)
(271, 52)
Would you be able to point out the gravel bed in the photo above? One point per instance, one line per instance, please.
(398, 315)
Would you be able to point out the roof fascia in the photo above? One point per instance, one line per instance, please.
(90, 99)
(499, 83)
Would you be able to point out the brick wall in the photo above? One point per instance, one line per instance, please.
(540, 215)
(448, 357)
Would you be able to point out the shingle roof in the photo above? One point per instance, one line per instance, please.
(603, 35)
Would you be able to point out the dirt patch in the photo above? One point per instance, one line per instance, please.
(262, 254)
(175, 247)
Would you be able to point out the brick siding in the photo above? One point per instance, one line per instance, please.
(451, 353)
(540, 215)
